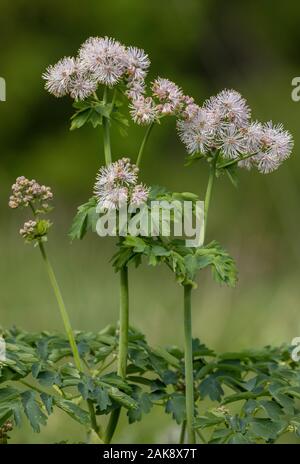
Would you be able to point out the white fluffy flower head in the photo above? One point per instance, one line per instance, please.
(139, 195)
(166, 90)
(137, 62)
(232, 142)
(143, 110)
(121, 172)
(169, 95)
(275, 146)
(58, 77)
(117, 185)
(231, 107)
(82, 86)
(196, 133)
(223, 123)
(105, 58)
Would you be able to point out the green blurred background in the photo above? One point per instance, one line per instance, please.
(204, 46)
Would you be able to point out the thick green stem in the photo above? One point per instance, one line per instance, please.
(62, 307)
(106, 134)
(93, 416)
(208, 194)
(143, 144)
(124, 299)
(124, 322)
(123, 347)
(189, 377)
(182, 433)
(113, 101)
(112, 425)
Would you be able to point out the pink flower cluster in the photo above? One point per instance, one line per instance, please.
(100, 60)
(26, 192)
(116, 185)
(222, 123)
(28, 230)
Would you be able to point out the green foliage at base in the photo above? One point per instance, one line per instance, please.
(254, 394)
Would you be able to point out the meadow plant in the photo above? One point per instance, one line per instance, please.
(107, 82)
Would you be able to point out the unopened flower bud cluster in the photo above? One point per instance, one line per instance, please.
(26, 193)
(28, 231)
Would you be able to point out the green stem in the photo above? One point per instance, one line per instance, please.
(62, 307)
(123, 347)
(66, 321)
(235, 161)
(112, 425)
(189, 377)
(93, 416)
(124, 305)
(244, 396)
(32, 387)
(124, 322)
(208, 194)
(201, 436)
(143, 144)
(68, 327)
(104, 367)
(113, 101)
(106, 134)
(162, 353)
(182, 433)
(90, 403)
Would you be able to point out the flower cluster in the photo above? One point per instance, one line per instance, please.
(137, 67)
(143, 110)
(27, 192)
(28, 231)
(103, 60)
(35, 230)
(167, 99)
(116, 185)
(170, 96)
(100, 60)
(223, 123)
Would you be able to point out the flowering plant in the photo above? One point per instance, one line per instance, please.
(116, 368)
